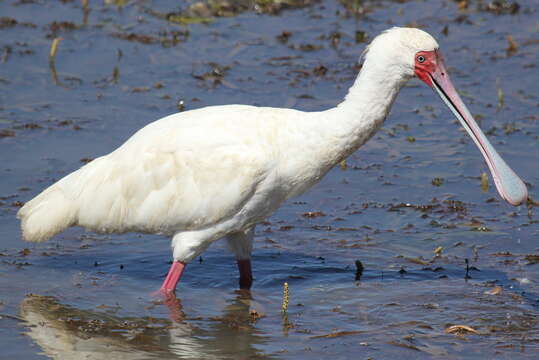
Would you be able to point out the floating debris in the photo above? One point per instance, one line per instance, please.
(460, 330)
(215, 76)
(25, 252)
(284, 36)
(361, 36)
(180, 105)
(313, 214)
(494, 291)
(255, 315)
(437, 181)
(187, 20)
(523, 281)
(417, 260)
(532, 259)
(445, 30)
(7, 133)
(140, 89)
(499, 7)
(6, 22)
(143, 39)
(57, 26)
(513, 47)
(337, 334)
(463, 4)
(320, 70)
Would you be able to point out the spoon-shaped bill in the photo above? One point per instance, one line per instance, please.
(509, 185)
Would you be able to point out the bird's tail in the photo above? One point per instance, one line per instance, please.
(46, 215)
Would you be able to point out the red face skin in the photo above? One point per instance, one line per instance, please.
(428, 65)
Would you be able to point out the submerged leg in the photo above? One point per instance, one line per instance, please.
(173, 277)
(175, 308)
(241, 244)
(246, 276)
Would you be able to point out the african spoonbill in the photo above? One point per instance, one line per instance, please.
(216, 172)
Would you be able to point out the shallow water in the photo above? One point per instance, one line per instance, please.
(119, 67)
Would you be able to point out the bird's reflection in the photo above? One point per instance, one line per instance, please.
(65, 332)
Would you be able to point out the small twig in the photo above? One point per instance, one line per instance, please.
(501, 95)
(85, 12)
(52, 57)
(7, 52)
(54, 49)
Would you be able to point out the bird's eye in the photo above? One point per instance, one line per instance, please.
(421, 58)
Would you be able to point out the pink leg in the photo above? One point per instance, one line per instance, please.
(246, 277)
(173, 277)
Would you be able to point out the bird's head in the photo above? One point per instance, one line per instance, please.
(409, 52)
(396, 50)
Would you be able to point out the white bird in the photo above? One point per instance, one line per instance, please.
(216, 172)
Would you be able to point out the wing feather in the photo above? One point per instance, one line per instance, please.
(171, 176)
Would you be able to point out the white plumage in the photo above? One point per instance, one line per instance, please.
(216, 172)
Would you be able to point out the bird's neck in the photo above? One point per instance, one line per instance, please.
(327, 137)
(363, 111)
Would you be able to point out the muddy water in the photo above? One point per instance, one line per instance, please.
(414, 188)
